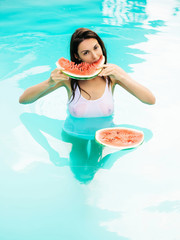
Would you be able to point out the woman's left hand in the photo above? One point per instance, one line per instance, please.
(125, 81)
(113, 70)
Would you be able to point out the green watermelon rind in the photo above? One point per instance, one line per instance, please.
(80, 77)
(116, 147)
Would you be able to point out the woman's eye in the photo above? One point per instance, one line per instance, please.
(96, 47)
(85, 53)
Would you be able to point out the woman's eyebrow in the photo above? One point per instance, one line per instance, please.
(84, 50)
(88, 49)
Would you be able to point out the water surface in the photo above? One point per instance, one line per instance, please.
(56, 187)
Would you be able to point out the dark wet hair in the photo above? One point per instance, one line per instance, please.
(79, 36)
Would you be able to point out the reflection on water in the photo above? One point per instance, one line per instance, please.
(86, 156)
(118, 12)
(165, 206)
(127, 23)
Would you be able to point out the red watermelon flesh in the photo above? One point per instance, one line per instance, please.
(120, 137)
(83, 70)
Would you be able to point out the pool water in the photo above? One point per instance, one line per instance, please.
(55, 186)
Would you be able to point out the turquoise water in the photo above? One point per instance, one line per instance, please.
(53, 186)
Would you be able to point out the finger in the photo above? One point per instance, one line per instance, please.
(106, 72)
(107, 69)
(60, 69)
(102, 66)
(108, 65)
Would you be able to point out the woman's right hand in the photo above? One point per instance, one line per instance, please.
(56, 77)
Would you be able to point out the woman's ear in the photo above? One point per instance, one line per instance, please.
(77, 57)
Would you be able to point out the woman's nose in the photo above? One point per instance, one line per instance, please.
(94, 55)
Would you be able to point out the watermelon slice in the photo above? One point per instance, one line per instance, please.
(120, 138)
(82, 71)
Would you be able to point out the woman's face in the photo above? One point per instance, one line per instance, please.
(89, 50)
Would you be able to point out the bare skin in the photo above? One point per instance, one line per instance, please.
(89, 51)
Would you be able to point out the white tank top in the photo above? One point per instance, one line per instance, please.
(83, 108)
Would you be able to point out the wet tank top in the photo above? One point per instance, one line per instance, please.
(81, 107)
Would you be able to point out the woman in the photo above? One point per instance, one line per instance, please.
(90, 106)
(89, 98)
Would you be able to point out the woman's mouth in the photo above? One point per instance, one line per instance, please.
(96, 60)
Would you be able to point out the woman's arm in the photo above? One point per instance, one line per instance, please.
(121, 78)
(56, 80)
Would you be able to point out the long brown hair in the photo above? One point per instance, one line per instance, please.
(78, 36)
